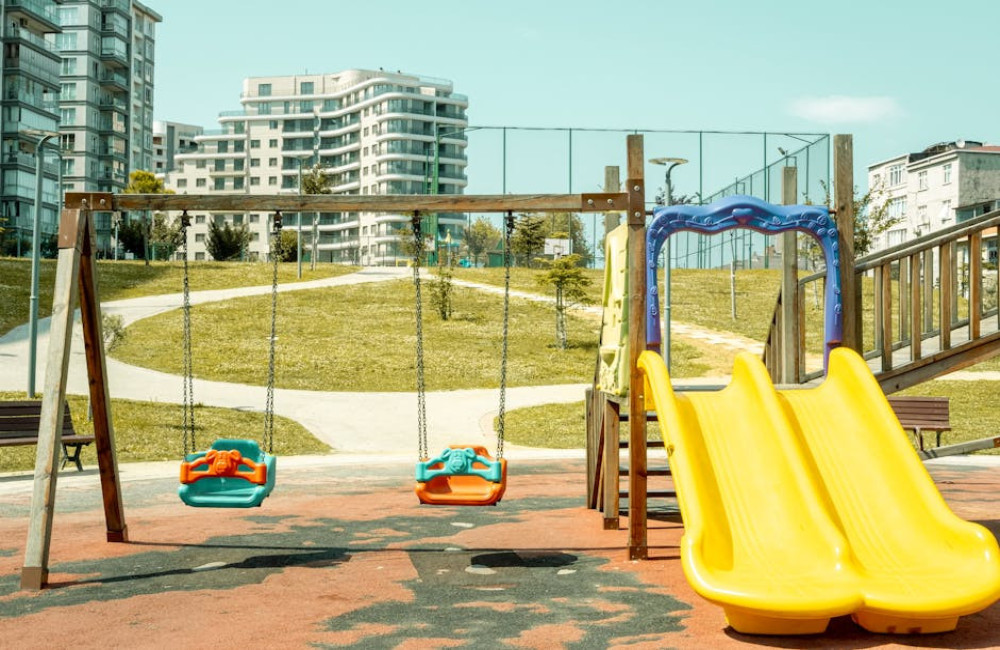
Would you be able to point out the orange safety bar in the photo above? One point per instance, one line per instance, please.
(223, 463)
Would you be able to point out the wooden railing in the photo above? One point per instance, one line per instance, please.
(929, 306)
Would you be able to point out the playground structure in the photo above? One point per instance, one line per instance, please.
(76, 258)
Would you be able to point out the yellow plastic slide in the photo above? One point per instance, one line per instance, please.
(803, 505)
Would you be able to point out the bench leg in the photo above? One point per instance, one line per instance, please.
(74, 457)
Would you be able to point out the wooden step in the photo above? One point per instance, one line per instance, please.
(651, 494)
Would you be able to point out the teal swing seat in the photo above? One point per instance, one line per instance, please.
(203, 490)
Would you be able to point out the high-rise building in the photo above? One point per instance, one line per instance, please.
(367, 131)
(106, 100)
(30, 82)
(169, 140)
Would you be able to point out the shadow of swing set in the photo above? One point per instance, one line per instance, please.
(725, 548)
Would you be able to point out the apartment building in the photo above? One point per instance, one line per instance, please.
(106, 99)
(169, 140)
(370, 131)
(30, 111)
(934, 188)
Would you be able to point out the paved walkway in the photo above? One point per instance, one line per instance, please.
(349, 422)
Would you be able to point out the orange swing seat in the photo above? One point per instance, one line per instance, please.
(461, 476)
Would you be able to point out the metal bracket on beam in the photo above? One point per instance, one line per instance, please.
(96, 201)
(637, 197)
(604, 202)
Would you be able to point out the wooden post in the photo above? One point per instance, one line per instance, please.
(916, 319)
(885, 288)
(904, 302)
(637, 545)
(76, 281)
(945, 272)
(975, 283)
(843, 202)
(928, 289)
(610, 484)
(789, 361)
(612, 184)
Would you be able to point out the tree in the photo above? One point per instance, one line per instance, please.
(315, 182)
(567, 278)
(480, 237)
(528, 239)
(144, 182)
(441, 290)
(287, 247)
(871, 219)
(132, 237)
(166, 236)
(227, 242)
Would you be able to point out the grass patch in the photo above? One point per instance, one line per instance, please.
(129, 279)
(562, 426)
(151, 431)
(362, 338)
(522, 279)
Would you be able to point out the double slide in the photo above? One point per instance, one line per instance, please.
(803, 505)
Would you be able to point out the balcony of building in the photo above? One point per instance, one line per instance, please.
(122, 6)
(39, 16)
(113, 80)
(114, 52)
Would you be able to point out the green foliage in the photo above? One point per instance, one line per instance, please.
(442, 289)
(287, 247)
(567, 278)
(316, 181)
(166, 236)
(528, 239)
(227, 242)
(480, 237)
(113, 329)
(144, 182)
(871, 219)
(132, 237)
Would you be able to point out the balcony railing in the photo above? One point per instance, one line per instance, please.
(44, 10)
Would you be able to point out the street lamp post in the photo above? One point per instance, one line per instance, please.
(668, 199)
(44, 137)
(299, 157)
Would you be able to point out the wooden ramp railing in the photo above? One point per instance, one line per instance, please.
(930, 306)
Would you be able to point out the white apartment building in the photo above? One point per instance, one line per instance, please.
(370, 131)
(169, 140)
(928, 189)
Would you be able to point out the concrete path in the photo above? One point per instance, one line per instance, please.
(349, 422)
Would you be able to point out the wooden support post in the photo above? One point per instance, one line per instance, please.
(593, 428)
(843, 202)
(610, 484)
(612, 184)
(637, 544)
(76, 281)
(928, 290)
(975, 284)
(885, 289)
(904, 298)
(916, 319)
(789, 361)
(945, 273)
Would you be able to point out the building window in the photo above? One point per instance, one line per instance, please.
(272, 162)
(306, 88)
(199, 182)
(199, 164)
(946, 170)
(255, 144)
(255, 180)
(264, 90)
(897, 208)
(922, 216)
(922, 180)
(199, 257)
(895, 175)
(272, 180)
(199, 218)
(220, 183)
(200, 237)
(896, 237)
(238, 183)
(273, 143)
(255, 218)
(182, 182)
(946, 212)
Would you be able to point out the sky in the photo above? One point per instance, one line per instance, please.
(898, 75)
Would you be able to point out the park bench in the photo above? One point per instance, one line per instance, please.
(19, 426)
(922, 414)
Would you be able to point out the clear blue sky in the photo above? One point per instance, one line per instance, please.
(898, 74)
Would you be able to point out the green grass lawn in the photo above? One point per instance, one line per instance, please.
(562, 426)
(152, 431)
(362, 338)
(127, 279)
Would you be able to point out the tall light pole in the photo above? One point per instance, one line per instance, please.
(434, 175)
(668, 199)
(299, 157)
(44, 137)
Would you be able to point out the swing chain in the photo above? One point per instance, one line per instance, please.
(418, 249)
(190, 446)
(501, 417)
(269, 406)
